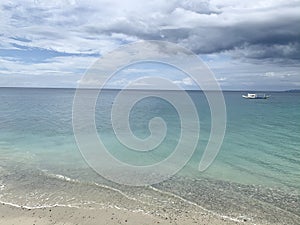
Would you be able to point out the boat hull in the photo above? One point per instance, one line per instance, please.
(266, 97)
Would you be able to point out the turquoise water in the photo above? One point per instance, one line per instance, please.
(260, 148)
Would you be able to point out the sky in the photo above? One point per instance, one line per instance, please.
(248, 45)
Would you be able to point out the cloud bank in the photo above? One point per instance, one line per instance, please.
(230, 35)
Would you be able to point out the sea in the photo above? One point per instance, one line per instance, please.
(255, 177)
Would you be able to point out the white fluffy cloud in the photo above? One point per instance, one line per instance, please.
(202, 26)
(245, 32)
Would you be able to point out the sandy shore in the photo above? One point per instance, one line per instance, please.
(66, 215)
(12, 215)
(28, 197)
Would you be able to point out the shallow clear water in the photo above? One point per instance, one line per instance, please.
(260, 151)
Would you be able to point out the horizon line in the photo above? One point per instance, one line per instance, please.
(138, 89)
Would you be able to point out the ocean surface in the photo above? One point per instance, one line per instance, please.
(255, 177)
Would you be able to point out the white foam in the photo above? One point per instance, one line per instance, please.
(116, 190)
(68, 179)
(64, 178)
(38, 207)
(199, 206)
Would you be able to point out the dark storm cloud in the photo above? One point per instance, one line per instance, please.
(261, 32)
(254, 30)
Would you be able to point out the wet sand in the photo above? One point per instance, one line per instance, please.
(68, 216)
(29, 196)
(76, 216)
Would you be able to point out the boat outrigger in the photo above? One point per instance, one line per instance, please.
(256, 96)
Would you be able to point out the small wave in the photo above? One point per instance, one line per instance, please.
(68, 179)
(116, 190)
(37, 207)
(199, 206)
(239, 219)
(62, 177)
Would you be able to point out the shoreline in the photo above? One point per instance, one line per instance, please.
(22, 215)
(45, 198)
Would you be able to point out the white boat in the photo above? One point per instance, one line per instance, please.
(256, 96)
